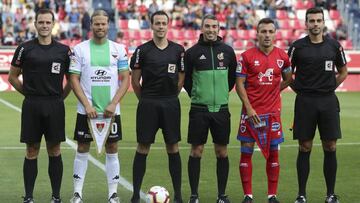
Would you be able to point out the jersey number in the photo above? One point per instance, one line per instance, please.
(114, 128)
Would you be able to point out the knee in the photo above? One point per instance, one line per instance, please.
(83, 147)
(172, 148)
(111, 148)
(221, 152)
(196, 151)
(32, 151)
(329, 146)
(143, 148)
(305, 146)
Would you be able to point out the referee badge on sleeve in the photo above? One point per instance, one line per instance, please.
(55, 68)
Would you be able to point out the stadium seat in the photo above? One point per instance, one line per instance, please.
(346, 44)
(170, 34)
(278, 35)
(233, 33)
(282, 14)
(249, 44)
(287, 34)
(179, 34)
(134, 34)
(123, 24)
(334, 14)
(190, 34)
(146, 34)
(126, 34)
(243, 34)
(238, 45)
(299, 4)
(252, 34)
(298, 25)
(281, 44)
(284, 24)
(222, 33)
(309, 4)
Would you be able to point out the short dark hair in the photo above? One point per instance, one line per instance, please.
(160, 13)
(314, 10)
(208, 16)
(99, 12)
(44, 11)
(265, 21)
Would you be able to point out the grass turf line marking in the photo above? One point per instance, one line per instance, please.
(122, 181)
(163, 148)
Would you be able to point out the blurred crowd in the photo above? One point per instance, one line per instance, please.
(73, 20)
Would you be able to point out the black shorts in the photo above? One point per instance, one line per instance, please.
(201, 120)
(43, 116)
(82, 132)
(321, 111)
(153, 114)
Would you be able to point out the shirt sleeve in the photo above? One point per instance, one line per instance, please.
(68, 59)
(292, 59)
(340, 57)
(18, 58)
(180, 63)
(135, 59)
(232, 70)
(287, 65)
(122, 64)
(188, 72)
(75, 61)
(241, 69)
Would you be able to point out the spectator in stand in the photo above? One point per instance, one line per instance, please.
(9, 39)
(29, 12)
(74, 20)
(8, 27)
(153, 7)
(64, 29)
(253, 20)
(85, 23)
(144, 22)
(21, 37)
(232, 19)
(208, 8)
(341, 31)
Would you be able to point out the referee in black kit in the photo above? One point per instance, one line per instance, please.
(159, 62)
(315, 58)
(43, 63)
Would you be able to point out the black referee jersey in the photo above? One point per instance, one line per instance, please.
(315, 64)
(43, 67)
(159, 68)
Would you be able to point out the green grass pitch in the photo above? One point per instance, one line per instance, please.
(95, 188)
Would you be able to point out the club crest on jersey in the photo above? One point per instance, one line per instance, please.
(275, 126)
(256, 63)
(171, 68)
(242, 128)
(220, 56)
(55, 68)
(280, 63)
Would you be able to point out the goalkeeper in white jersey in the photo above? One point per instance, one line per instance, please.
(100, 79)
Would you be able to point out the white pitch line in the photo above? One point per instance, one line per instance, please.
(183, 148)
(122, 181)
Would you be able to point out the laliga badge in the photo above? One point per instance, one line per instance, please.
(55, 68)
(171, 68)
(100, 130)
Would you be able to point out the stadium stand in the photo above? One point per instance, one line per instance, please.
(238, 19)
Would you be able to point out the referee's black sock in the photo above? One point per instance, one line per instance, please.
(139, 168)
(55, 171)
(194, 173)
(175, 172)
(303, 169)
(329, 169)
(30, 172)
(222, 172)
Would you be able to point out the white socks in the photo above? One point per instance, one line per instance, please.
(80, 167)
(112, 166)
